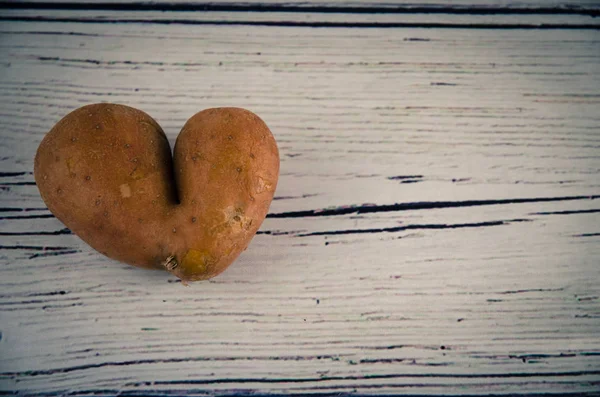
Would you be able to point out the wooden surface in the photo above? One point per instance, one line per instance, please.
(436, 228)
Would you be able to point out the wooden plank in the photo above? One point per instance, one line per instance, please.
(316, 19)
(468, 263)
(498, 14)
(495, 15)
(345, 3)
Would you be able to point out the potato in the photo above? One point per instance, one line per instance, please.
(105, 171)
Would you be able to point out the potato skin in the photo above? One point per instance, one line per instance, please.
(105, 171)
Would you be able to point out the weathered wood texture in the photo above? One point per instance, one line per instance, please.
(564, 4)
(435, 229)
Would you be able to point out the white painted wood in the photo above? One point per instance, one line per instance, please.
(486, 297)
(495, 20)
(367, 3)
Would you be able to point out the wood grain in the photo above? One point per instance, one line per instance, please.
(435, 229)
(523, 4)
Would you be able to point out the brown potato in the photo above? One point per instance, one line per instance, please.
(105, 171)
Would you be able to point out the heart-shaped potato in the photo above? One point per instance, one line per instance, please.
(105, 171)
